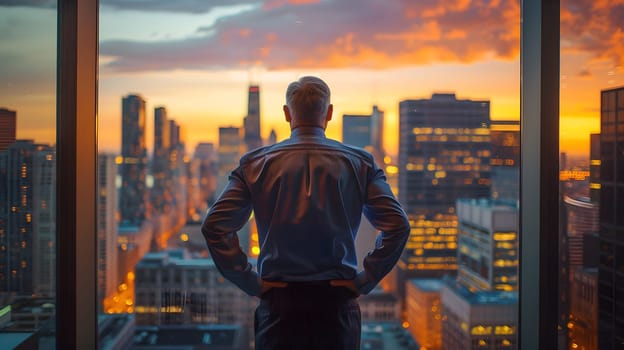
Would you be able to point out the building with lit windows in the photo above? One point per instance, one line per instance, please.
(505, 159)
(487, 253)
(583, 325)
(478, 320)
(594, 168)
(611, 268)
(107, 276)
(28, 219)
(171, 288)
(444, 155)
(8, 125)
(133, 168)
(44, 221)
(423, 311)
(251, 123)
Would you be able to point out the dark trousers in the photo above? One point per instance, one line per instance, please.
(308, 317)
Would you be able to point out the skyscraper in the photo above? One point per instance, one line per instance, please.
(251, 123)
(160, 194)
(134, 161)
(8, 122)
(44, 221)
(444, 155)
(107, 277)
(488, 244)
(611, 282)
(27, 221)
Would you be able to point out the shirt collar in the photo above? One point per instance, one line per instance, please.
(303, 131)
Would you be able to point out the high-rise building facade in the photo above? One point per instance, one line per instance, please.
(8, 123)
(160, 194)
(356, 130)
(251, 123)
(28, 219)
(133, 192)
(611, 268)
(487, 250)
(172, 288)
(505, 159)
(444, 155)
(365, 131)
(107, 277)
(44, 221)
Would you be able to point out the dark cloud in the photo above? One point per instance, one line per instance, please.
(28, 3)
(585, 74)
(326, 34)
(183, 6)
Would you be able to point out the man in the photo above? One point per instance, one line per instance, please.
(307, 194)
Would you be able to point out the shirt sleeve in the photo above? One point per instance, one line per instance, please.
(384, 212)
(227, 216)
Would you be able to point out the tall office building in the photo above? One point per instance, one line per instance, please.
(44, 221)
(160, 193)
(505, 159)
(107, 277)
(133, 192)
(444, 154)
(365, 131)
(8, 123)
(251, 123)
(487, 245)
(610, 296)
(27, 220)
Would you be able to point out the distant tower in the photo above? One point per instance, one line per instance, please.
(229, 152)
(251, 123)
(134, 164)
(8, 121)
(365, 131)
(107, 278)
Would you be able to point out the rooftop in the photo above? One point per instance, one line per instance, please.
(427, 284)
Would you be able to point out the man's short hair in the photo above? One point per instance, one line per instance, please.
(308, 98)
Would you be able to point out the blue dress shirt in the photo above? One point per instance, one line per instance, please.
(308, 194)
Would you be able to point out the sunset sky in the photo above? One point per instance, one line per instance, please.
(197, 58)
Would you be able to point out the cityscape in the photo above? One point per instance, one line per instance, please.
(430, 88)
(455, 286)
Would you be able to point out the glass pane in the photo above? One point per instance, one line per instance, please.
(592, 170)
(431, 89)
(28, 175)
